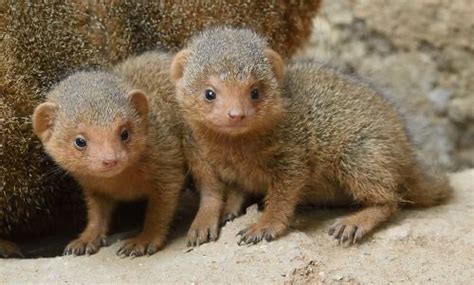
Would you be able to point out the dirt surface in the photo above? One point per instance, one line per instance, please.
(418, 246)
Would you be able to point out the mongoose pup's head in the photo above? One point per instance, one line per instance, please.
(93, 124)
(228, 80)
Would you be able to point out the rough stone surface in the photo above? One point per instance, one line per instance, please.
(420, 53)
(418, 246)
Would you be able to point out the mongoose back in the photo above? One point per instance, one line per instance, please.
(119, 145)
(42, 42)
(299, 132)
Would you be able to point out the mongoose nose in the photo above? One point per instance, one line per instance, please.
(109, 162)
(236, 116)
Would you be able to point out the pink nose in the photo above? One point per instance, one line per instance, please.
(236, 116)
(109, 162)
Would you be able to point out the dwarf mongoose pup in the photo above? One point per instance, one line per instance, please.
(298, 133)
(119, 143)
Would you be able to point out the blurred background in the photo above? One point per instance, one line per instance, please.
(421, 53)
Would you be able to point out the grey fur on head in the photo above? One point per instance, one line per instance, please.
(100, 95)
(216, 49)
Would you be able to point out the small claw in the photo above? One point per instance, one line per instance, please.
(89, 251)
(331, 230)
(339, 231)
(136, 253)
(358, 235)
(120, 251)
(103, 241)
(351, 236)
(242, 240)
(228, 218)
(269, 237)
(76, 251)
(343, 239)
(242, 232)
(346, 233)
(151, 249)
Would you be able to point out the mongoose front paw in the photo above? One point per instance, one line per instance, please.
(9, 249)
(82, 246)
(259, 231)
(202, 231)
(347, 233)
(140, 246)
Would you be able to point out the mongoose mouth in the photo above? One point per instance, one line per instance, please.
(232, 129)
(108, 171)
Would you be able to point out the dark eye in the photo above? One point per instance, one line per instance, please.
(210, 95)
(255, 94)
(124, 135)
(80, 143)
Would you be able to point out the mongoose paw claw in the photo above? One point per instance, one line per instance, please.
(85, 247)
(198, 235)
(256, 233)
(9, 249)
(138, 246)
(346, 233)
(229, 217)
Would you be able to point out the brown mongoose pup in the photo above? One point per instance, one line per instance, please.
(119, 144)
(42, 41)
(298, 133)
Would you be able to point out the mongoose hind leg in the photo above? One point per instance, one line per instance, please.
(373, 185)
(9, 249)
(99, 210)
(352, 228)
(233, 205)
(160, 211)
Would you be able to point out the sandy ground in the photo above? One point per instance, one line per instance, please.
(418, 246)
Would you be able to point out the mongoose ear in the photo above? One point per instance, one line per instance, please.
(139, 101)
(178, 64)
(277, 62)
(43, 119)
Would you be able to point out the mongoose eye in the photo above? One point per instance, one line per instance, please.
(210, 95)
(80, 143)
(255, 94)
(124, 135)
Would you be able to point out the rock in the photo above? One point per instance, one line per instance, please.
(440, 99)
(461, 110)
(418, 52)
